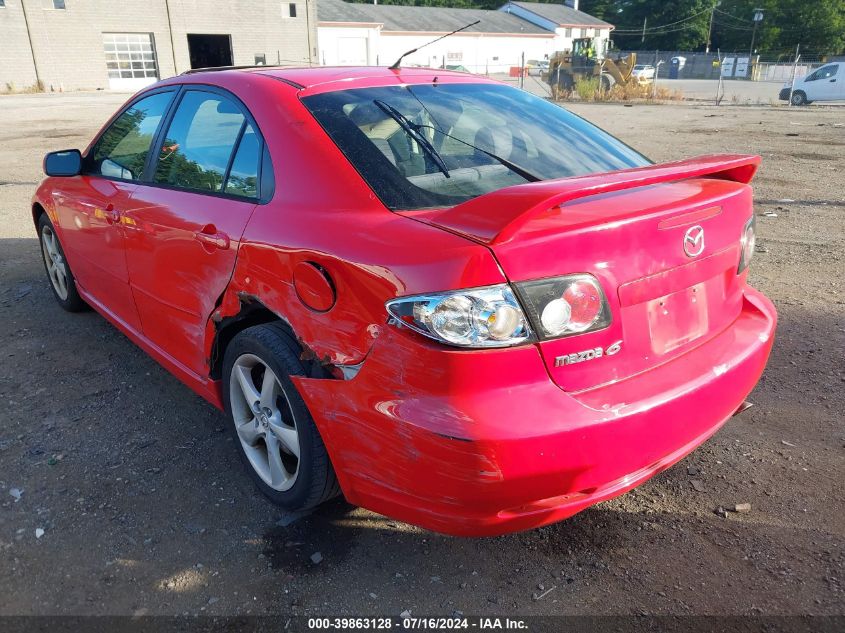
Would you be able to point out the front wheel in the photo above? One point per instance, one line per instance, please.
(799, 98)
(274, 431)
(58, 271)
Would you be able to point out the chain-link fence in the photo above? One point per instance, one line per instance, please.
(735, 65)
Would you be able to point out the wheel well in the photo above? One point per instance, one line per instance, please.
(37, 210)
(253, 312)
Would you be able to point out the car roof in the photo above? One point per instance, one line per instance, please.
(309, 77)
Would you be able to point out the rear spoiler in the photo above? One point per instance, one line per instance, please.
(497, 216)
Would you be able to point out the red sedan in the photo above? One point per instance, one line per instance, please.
(456, 303)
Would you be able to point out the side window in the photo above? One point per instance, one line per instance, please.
(824, 72)
(200, 142)
(122, 150)
(829, 71)
(243, 175)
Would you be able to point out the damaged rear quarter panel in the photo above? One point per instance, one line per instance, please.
(323, 212)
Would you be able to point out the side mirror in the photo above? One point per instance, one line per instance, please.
(67, 162)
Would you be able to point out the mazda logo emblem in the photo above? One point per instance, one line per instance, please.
(694, 241)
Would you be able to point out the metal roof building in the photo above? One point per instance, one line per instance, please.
(370, 34)
(412, 19)
(556, 14)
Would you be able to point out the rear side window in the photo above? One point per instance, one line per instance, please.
(122, 150)
(243, 176)
(200, 143)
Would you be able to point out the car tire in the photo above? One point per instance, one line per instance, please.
(275, 434)
(59, 274)
(799, 98)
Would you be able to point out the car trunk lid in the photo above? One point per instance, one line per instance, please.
(628, 229)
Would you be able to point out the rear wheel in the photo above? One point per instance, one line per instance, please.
(274, 431)
(58, 271)
(799, 98)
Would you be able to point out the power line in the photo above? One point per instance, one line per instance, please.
(731, 15)
(662, 26)
(731, 26)
(674, 30)
(784, 29)
(683, 25)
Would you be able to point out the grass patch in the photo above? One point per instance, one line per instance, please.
(590, 89)
(12, 88)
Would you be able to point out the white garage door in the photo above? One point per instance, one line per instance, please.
(130, 59)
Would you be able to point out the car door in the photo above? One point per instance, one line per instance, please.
(824, 83)
(184, 223)
(89, 206)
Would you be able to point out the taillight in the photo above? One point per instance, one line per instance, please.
(476, 317)
(563, 306)
(747, 242)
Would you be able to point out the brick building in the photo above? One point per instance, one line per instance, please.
(126, 44)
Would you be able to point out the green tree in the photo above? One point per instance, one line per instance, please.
(603, 9)
(680, 25)
(819, 26)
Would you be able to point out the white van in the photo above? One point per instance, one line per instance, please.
(823, 84)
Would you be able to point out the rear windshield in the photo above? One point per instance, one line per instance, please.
(423, 146)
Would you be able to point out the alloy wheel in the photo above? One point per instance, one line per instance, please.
(56, 267)
(265, 422)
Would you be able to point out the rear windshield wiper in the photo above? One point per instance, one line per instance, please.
(503, 161)
(413, 130)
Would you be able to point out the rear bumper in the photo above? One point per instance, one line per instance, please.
(483, 443)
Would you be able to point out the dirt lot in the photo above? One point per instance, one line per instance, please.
(145, 507)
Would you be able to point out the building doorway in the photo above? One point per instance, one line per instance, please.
(209, 51)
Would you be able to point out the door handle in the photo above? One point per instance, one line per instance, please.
(210, 237)
(832, 80)
(112, 215)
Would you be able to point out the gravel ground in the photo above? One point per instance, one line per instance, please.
(145, 508)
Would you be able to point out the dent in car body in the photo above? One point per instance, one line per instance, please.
(344, 230)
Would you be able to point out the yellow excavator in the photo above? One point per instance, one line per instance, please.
(589, 58)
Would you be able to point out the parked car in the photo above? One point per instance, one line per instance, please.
(455, 302)
(537, 67)
(643, 73)
(823, 84)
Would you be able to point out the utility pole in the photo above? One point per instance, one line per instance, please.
(645, 21)
(758, 17)
(710, 28)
